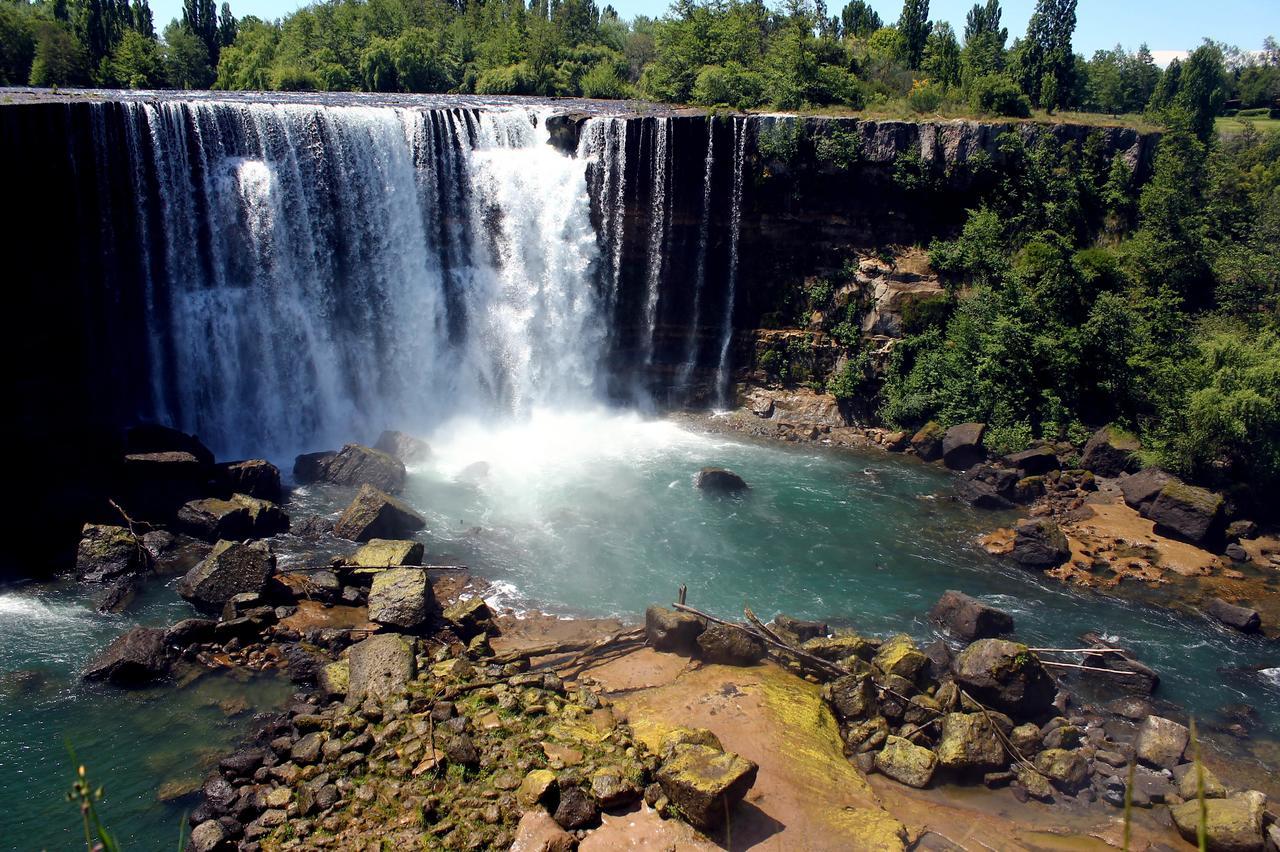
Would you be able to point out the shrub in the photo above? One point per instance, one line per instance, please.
(729, 85)
(779, 139)
(294, 78)
(924, 96)
(996, 94)
(506, 80)
(838, 148)
(602, 80)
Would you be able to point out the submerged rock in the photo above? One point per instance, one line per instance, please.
(704, 783)
(1006, 676)
(375, 514)
(230, 569)
(719, 480)
(1110, 452)
(137, 657)
(404, 447)
(968, 618)
(1239, 617)
(106, 552)
(401, 597)
(671, 630)
(1039, 544)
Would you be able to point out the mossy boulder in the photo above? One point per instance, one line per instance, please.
(380, 667)
(969, 743)
(841, 647)
(677, 737)
(334, 679)
(1039, 544)
(672, 630)
(927, 442)
(730, 646)
(1161, 742)
(1067, 770)
(875, 830)
(356, 465)
(1231, 825)
(900, 656)
(106, 552)
(906, 762)
(230, 569)
(536, 787)
(387, 552)
(1189, 513)
(1189, 786)
(1007, 676)
(255, 477)
(851, 696)
(703, 783)
(375, 514)
(1110, 452)
(470, 616)
(401, 598)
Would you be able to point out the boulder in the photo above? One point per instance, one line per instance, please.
(538, 832)
(671, 630)
(401, 598)
(312, 467)
(981, 495)
(229, 569)
(1239, 530)
(1187, 512)
(969, 743)
(796, 630)
(968, 618)
(1192, 783)
(729, 646)
(1110, 452)
(189, 631)
(106, 552)
(1036, 461)
(1161, 742)
(359, 465)
(255, 477)
(962, 446)
(576, 809)
(384, 553)
(900, 656)
(1066, 770)
(1007, 676)
(1238, 617)
(469, 616)
(212, 518)
(208, 836)
(154, 438)
(851, 696)
(154, 485)
(1039, 544)
(379, 667)
(677, 737)
(704, 783)
(376, 514)
(334, 679)
(927, 443)
(720, 481)
(1140, 489)
(841, 646)
(906, 762)
(138, 656)
(402, 446)
(1231, 825)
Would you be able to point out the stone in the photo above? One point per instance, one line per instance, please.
(1039, 544)
(1035, 784)
(536, 787)
(797, 631)
(402, 446)
(307, 749)
(671, 630)
(311, 467)
(208, 836)
(356, 465)
(851, 696)
(189, 631)
(970, 743)
(469, 616)
(376, 514)
(106, 552)
(1237, 617)
(1111, 452)
(968, 618)
(927, 442)
(1231, 825)
(729, 646)
(1236, 553)
(612, 786)
(1140, 489)
(1240, 530)
(906, 762)
(1036, 461)
(136, 657)
(255, 477)
(385, 552)
(401, 598)
(962, 446)
(1188, 513)
(538, 832)
(334, 679)
(380, 668)
(704, 783)
(719, 480)
(1161, 742)
(212, 519)
(265, 518)
(461, 750)
(229, 569)
(981, 495)
(1191, 783)
(841, 647)
(1066, 770)
(900, 656)
(576, 809)
(1026, 738)
(1007, 676)
(677, 737)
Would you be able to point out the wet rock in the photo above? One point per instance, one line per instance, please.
(1110, 452)
(1191, 782)
(359, 465)
(704, 783)
(1161, 742)
(612, 787)
(1034, 783)
(376, 514)
(900, 656)
(1066, 770)
(380, 667)
(576, 809)
(538, 832)
(969, 743)
(401, 598)
(1141, 489)
(797, 631)
(137, 657)
(107, 552)
(311, 467)
(1130, 675)
(851, 696)
(1036, 461)
(729, 646)
(1006, 676)
(671, 630)
(311, 527)
(229, 569)
(981, 495)
(677, 737)
(212, 518)
(968, 618)
(1238, 617)
(385, 553)
(1038, 544)
(155, 484)
(927, 442)
(255, 477)
(208, 836)
(962, 446)
(404, 447)
(189, 631)
(1187, 512)
(1231, 825)
(719, 480)
(242, 763)
(841, 647)
(265, 518)
(906, 763)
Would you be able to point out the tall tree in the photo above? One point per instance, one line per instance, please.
(1202, 89)
(984, 41)
(201, 18)
(914, 26)
(1046, 61)
(857, 18)
(941, 61)
(228, 27)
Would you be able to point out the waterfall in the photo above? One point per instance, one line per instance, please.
(603, 145)
(735, 229)
(326, 272)
(700, 263)
(658, 219)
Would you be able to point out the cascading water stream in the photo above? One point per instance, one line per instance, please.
(735, 230)
(603, 143)
(700, 264)
(658, 221)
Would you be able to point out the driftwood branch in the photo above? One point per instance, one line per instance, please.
(822, 666)
(1078, 650)
(1092, 669)
(584, 647)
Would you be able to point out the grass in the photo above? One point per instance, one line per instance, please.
(1236, 124)
(899, 110)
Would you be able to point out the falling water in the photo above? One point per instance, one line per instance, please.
(700, 268)
(658, 219)
(331, 271)
(735, 229)
(603, 143)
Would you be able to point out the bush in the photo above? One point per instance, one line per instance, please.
(996, 94)
(602, 80)
(836, 85)
(729, 85)
(779, 140)
(506, 80)
(837, 147)
(924, 96)
(294, 78)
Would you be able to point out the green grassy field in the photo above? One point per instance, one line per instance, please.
(1236, 125)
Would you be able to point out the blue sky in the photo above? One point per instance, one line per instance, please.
(1165, 25)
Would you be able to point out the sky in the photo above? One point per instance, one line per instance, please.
(1169, 27)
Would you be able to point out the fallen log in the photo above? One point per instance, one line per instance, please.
(580, 646)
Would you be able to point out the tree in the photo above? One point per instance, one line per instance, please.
(143, 20)
(1202, 89)
(984, 41)
(858, 19)
(135, 63)
(422, 64)
(200, 17)
(227, 26)
(1046, 63)
(186, 59)
(59, 58)
(914, 26)
(941, 62)
(17, 46)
